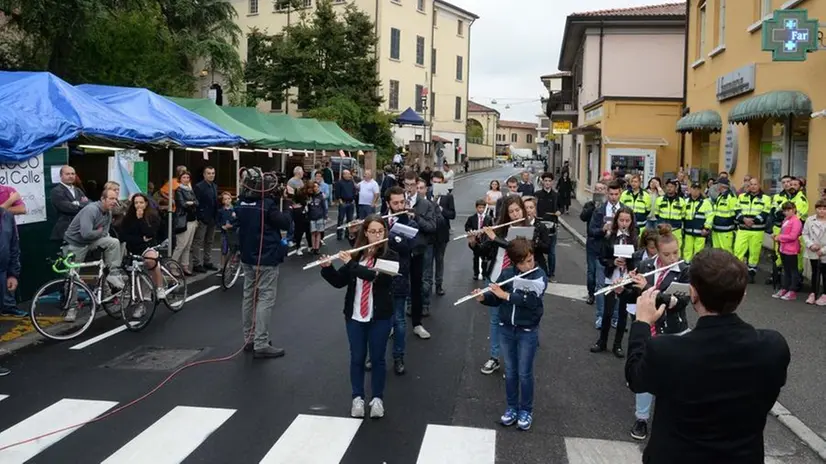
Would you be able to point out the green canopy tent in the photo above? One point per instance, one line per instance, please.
(334, 129)
(325, 140)
(294, 135)
(209, 110)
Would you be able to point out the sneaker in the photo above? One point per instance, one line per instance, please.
(789, 296)
(71, 315)
(376, 408)
(14, 312)
(299, 252)
(640, 430)
(139, 312)
(268, 352)
(398, 366)
(821, 301)
(357, 409)
(811, 299)
(509, 417)
(4, 371)
(116, 280)
(780, 294)
(525, 420)
(490, 366)
(160, 293)
(421, 332)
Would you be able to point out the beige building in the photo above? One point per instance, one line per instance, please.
(424, 49)
(517, 134)
(481, 119)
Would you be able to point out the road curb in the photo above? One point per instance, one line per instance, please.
(465, 175)
(801, 430)
(577, 236)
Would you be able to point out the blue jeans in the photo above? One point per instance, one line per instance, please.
(493, 314)
(399, 326)
(361, 334)
(427, 276)
(365, 210)
(520, 349)
(643, 406)
(552, 257)
(345, 215)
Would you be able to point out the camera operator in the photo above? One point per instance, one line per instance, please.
(262, 250)
(714, 385)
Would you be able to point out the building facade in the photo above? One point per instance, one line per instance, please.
(621, 91)
(747, 114)
(482, 122)
(517, 134)
(423, 50)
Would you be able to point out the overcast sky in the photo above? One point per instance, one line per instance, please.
(512, 46)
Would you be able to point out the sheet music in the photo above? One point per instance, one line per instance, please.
(536, 286)
(439, 190)
(526, 232)
(387, 267)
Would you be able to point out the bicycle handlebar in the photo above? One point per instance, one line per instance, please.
(67, 264)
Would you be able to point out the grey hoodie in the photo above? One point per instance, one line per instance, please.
(89, 225)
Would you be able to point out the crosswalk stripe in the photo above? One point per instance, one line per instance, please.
(64, 413)
(313, 439)
(173, 437)
(593, 451)
(444, 444)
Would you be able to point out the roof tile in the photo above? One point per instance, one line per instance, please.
(517, 124)
(474, 107)
(664, 9)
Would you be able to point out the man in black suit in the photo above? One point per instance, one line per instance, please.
(67, 200)
(207, 214)
(513, 189)
(714, 385)
(476, 222)
(445, 212)
(424, 213)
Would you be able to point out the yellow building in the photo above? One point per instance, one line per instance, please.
(621, 88)
(424, 46)
(747, 114)
(517, 134)
(482, 119)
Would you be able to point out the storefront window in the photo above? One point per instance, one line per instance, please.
(800, 147)
(708, 155)
(783, 151)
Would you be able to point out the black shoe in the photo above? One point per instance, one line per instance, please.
(590, 300)
(440, 291)
(249, 346)
(752, 275)
(210, 267)
(425, 311)
(398, 366)
(618, 352)
(476, 277)
(598, 347)
(4, 371)
(269, 352)
(199, 269)
(640, 430)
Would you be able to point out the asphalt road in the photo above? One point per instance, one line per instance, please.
(296, 409)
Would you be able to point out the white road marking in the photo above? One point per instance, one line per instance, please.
(591, 451)
(2, 397)
(809, 436)
(574, 292)
(313, 439)
(64, 413)
(173, 437)
(444, 444)
(121, 328)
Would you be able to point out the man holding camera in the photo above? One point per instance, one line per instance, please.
(262, 250)
(714, 385)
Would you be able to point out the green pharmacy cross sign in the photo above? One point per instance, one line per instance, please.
(790, 35)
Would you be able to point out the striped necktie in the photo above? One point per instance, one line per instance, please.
(366, 287)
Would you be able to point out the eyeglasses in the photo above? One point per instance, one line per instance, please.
(376, 232)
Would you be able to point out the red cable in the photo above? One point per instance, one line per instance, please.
(263, 191)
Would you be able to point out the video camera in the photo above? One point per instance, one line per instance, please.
(256, 184)
(676, 302)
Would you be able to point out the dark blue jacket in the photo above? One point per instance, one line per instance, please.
(316, 207)
(207, 195)
(344, 190)
(524, 308)
(402, 246)
(9, 247)
(249, 216)
(595, 232)
(226, 216)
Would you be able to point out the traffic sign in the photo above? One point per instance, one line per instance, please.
(790, 35)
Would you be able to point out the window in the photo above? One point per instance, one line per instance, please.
(419, 99)
(339, 1)
(529, 138)
(432, 104)
(393, 101)
(701, 24)
(395, 42)
(457, 112)
(432, 61)
(765, 8)
(278, 103)
(459, 68)
(545, 123)
(460, 27)
(514, 137)
(420, 50)
(420, 5)
(308, 3)
(253, 7)
(721, 22)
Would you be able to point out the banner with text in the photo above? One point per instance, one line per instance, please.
(27, 178)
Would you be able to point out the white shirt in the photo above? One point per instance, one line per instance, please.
(368, 191)
(449, 174)
(610, 210)
(480, 221)
(71, 189)
(357, 300)
(411, 199)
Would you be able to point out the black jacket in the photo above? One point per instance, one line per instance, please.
(445, 212)
(471, 224)
(595, 224)
(541, 244)
(606, 254)
(207, 195)
(183, 195)
(63, 203)
(672, 322)
(714, 387)
(425, 217)
(248, 214)
(382, 287)
(133, 230)
(547, 203)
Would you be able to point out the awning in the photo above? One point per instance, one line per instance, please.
(410, 118)
(636, 141)
(208, 109)
(436, 138)
(777, 104)
(593, 128)
(707, 120)
(336, 130)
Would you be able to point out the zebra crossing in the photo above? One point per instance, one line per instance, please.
(309, 439)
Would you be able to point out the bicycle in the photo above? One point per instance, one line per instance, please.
(231, 269)
(72, 294)
(173, 293)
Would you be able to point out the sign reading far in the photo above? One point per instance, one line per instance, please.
(790, 35)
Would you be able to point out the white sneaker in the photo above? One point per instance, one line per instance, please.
(139, 312)
(116, 280)
(161, 293)
(71, 315)
(299, 252)
(357, 409)
(421, 332)
(376, 408)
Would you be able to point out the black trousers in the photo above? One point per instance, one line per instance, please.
(478, 262)
(791, 278)
(818, 276)
(416, 278)
(608, 313)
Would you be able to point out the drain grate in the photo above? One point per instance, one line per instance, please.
(153, 358)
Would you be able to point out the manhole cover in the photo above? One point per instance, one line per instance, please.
(153, 358)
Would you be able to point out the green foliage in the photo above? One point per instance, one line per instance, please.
(474, 129)
(331, 60)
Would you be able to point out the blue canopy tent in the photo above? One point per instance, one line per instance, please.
(41, 111)
(410, 118)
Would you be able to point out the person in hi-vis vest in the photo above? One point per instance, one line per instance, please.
(698, 222)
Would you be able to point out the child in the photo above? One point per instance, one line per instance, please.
(316, 214)
(227, 221)
(474, 223)
(789, 239)
(520, 310)
(814, 237)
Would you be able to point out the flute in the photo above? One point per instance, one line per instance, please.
(628, 280)
(330, 258)
(479, 231)
(487, 289)
(361, 221)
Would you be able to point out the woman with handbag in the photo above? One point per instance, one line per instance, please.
(185, 220)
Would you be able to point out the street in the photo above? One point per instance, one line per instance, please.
(296, 409)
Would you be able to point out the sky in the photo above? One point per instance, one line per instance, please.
(512, 46)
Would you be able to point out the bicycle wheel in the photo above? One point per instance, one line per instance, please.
(137, 301)
(63, 309)
(174, 284)
(110, 303)
(231, 271)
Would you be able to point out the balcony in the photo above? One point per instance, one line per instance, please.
(562, 106)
